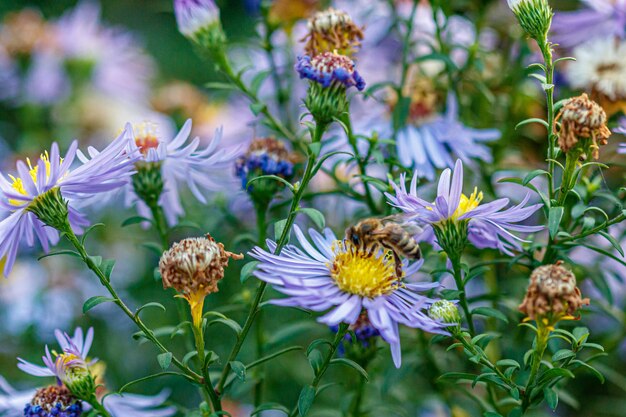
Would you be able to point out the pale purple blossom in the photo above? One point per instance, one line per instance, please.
(74, 354)
(490, 225)
(304, 274)
(182, 162)
(103, 173)
(598, 19)
(193, 16)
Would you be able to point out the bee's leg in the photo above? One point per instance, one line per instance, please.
(398, 263)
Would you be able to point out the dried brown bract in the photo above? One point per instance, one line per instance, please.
(552, 292)
(583, 119)
(332, 30)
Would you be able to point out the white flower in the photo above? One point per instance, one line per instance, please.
(600, 65)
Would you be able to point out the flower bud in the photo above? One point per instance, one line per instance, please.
(331, 74)
(445, 311)
(55, 401)
(534, 16)
(199, 20)
(193, 267)
(552, 295)
(359, 344)
(332, 30)
(583, 127)
(51, 208)
(265, 156)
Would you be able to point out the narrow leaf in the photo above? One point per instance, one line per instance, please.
(94, 301)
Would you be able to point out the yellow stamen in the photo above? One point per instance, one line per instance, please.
(468, 204)
(18, 183)
(365, 272)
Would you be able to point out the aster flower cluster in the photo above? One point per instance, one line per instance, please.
(265, 156)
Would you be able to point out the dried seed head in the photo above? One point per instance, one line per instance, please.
(582, 118)
(195, 265)
(552, 292)
(332, 30)
(54, 401)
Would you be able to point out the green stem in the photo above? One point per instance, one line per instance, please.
(567, 183)
(541, 343)
(458, 278)
(104, 280)
(282, 241)
(159, 223)
(261, 216)
(484, 360)
(98, 407)
(546, 50)
(352, 140)
(355, 409)
(207, 386)
(341, 332)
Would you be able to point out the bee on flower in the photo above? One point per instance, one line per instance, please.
(454, 217)
(348, 280)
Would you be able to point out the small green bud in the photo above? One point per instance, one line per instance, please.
(51, 208)
(534, 16)
(446, 312)
(148, 183)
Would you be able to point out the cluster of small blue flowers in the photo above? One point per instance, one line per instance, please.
(328, 68)
(58, 410)
(266, 156)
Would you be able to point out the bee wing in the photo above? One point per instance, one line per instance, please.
(405, 222)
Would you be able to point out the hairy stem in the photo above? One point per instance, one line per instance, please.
(458, 278)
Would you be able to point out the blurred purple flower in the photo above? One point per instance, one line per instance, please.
(335, 275)
(599, 19)
(116, 63)
(622, 131)
(12, 401)
(133, 405)
(46, 81)
(193, 16)
(182, 162)
(488, 225)
(103, 173)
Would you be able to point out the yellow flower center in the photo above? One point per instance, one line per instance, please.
(467, 204)
(366, 272)
(18, 183)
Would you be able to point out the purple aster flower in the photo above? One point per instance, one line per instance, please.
(338, 276)
(330, 68)
(181, 162)
(193, 16)
(433, 145)
(73, 357)
(488, 225)
(138, 405)
(103, 173)
(112, 58)
(600, 19)
(12, 401)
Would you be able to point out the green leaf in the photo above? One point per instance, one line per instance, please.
(88, 231)
(165, 360)
(188, 356)
(352, 364)
(552, 398)
(106, 266)
(149, 377)
(135, 220)
(239, 369)
(60, 252)
(270, 406)
(220, 86)
(315, 215)
(257, 108)
(516, 412)
(228, 322)
(457, 376)
(554, 220)
(153, 247)
(153, 304)
(94, 301)
(528, 178)
(279, 227)
(562, 354)
(258, 80)
(508, 362)
(591, 369)
(491, 414)
(316, 359)
(612, 241)
(315, 344)
(247, 270)
(305, 401)
(272, 356)
(553, 373)
(490, 312)
(270, 177)
(532, 120)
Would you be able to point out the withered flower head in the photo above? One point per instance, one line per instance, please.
(287, 12)
(583, 123)
(21, 32)
(53, 401)
(552, 295)
(332, 30)
(193, 267)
